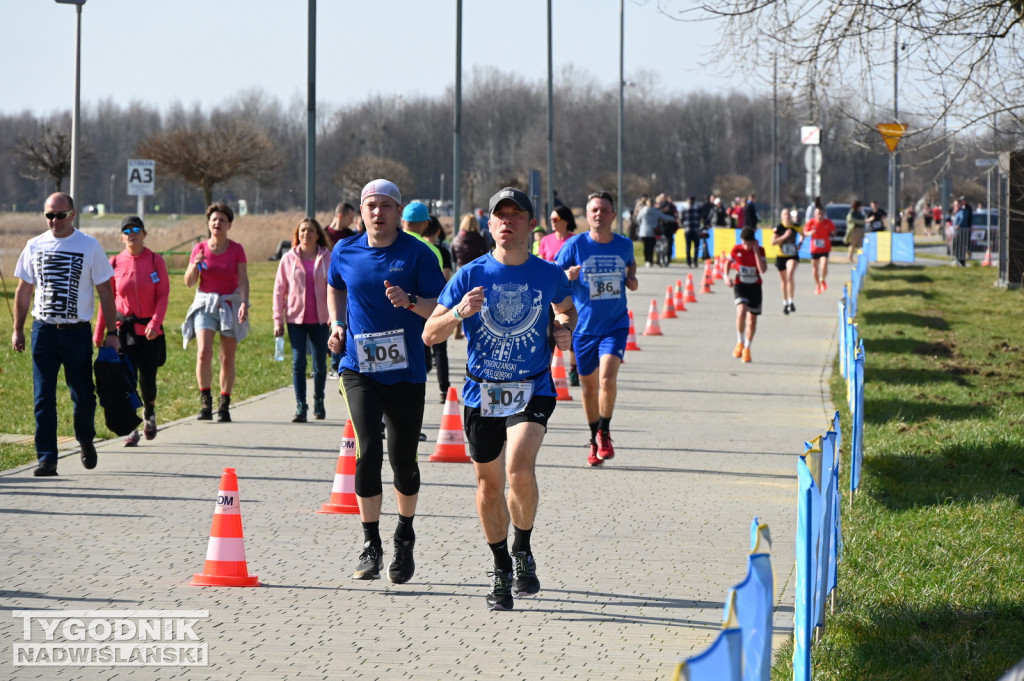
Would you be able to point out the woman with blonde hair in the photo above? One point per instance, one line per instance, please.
(469, 244)
(300, 302)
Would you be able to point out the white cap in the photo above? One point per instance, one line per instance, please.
(381, 188)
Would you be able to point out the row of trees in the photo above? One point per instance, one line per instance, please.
(253, 147)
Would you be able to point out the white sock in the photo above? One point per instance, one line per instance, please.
(747, 342)
(739, 337)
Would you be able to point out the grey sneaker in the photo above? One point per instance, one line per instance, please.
(402, 564)
(133, 439)
(149, 427)
(525, 582)
(500, 597)
(370, 562)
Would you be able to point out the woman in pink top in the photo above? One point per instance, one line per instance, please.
(218, 266)
(564, 223)
(141, 290)
(300, 300)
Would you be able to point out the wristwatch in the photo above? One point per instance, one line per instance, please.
(412, 302)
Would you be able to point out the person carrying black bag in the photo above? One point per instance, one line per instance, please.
(141, 290)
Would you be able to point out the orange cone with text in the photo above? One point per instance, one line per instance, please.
(669, 306)
(343, 494)
(705, 286)
(680, 303)
(451, 441)
(558, 375)
(653, 327)
(225, 554)
(691, 293)
(631, 337)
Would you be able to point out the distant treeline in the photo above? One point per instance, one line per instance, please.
(681, 145)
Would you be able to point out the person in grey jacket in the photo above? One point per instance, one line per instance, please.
(648, 219)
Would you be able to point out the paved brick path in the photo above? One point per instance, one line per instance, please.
(635, 558)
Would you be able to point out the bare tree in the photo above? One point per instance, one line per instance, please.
(357, 173)
(206, 156)
(958, 60)
(48, 156)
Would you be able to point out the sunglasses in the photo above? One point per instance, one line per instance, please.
(555, 218)
(57, 216)
(131, 230)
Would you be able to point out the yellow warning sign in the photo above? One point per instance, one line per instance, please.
(892, 133)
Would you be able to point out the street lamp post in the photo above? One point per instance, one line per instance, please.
(75, 114)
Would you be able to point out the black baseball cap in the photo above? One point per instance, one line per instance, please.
(133, 221)
(516, 196)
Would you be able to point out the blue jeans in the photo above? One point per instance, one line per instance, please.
(298, 336)
(72, 348)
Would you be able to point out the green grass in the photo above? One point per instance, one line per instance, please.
(178, 395)
(931, 581)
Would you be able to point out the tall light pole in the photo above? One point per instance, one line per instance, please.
(551, 127)
(77, 110)
(311, 111)
(622, 85)
(457, 151)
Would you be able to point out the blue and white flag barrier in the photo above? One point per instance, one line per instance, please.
(721, 662)
(857, 426)
(804, 588)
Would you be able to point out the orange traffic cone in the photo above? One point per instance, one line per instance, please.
(653, 327)
(679, 304)
(716, 274)
(669, 307)
(705, 286)
(691, 294)
(343, 495)
(225, 554)
(451, 441)
(558, 374)
(631, 337)
(987, 261)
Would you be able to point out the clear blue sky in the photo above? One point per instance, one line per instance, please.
(205, 51)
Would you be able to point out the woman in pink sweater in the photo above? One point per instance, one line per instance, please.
(300, 301)
(141, 290)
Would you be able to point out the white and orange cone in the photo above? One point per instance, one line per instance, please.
(669, 306)
(343, 494)
(679, 301)
(653, 327)
(631, 337)
(225, 554)
(987, 261)
(559, 376)
(451, 441)
(691, 293)
(705, 286)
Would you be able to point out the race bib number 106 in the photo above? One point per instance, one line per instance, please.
(381, 351)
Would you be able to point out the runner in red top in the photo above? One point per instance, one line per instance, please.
(820, 229)
(746, 265)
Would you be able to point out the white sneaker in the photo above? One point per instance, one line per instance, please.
(133, 439)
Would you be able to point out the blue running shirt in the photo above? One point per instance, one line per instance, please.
(361, 270)
(508, 338)
(600, 291)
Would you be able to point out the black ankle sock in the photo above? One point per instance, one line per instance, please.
(371, 533)
(404, 531)
(204, 391)
(603, 422)
(502, 561)
(521, 540)
(593, 430)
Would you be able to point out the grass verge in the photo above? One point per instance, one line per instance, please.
(931, 581)
(178, 395)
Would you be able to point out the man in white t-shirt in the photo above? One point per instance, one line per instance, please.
(58, 271)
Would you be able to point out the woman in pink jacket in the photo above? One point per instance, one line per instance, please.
(141, 290)
(300, 301)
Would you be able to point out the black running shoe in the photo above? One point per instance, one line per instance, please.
(88, 455)
(525, 582)
(500, 597)
(370, 562)
(792, 307)
(402, 565)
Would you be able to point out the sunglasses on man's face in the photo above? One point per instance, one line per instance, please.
(131, 230)
(57, 216)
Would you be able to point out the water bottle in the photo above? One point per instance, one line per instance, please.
(279, 349)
